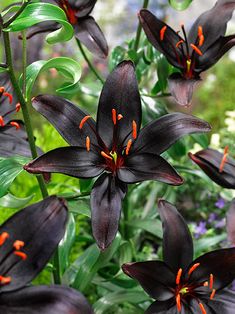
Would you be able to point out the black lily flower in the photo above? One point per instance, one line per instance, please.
(219, 167)
(85, 27)
(179, 283)
(113, 147)
(27, 241)
(195, 53)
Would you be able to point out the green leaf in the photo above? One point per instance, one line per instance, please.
(153, 226)
(201, 139)
(119, 297)
(80, 207)
(66, 66)
(41, 12)
(204, 243)
(11, 9)
(10, 168)
(180, 4)
(11, 201)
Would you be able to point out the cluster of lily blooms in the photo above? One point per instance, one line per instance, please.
(117, 151)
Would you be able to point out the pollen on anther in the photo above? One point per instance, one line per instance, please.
(18, 245)
(191, 270)
(162, 32)
(212, 294)
(178, 277)
(10, 97)
(114, 116)
(2, 89)
(106, 155)
(205, 284)
(224, 159)
(211, 283)
(200, 31)
(202, 308)
(178, 303)
(3, 237)
(196, 49)
(2, 123)
(83, 121)
(134, 129)
(179, 43)
(15, 124)
(128, 147)
(201, 40)
(120, 116)
(5, 280)
(18, 107)
(88, 143)
(22, 255)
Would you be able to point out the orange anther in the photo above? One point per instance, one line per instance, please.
(211, 281)
(10, 97)
(18, 245)
(22, 255)
(128, 146)
(2, 90)
(106, 155)
(120, 116)
(205, 284)
(200, 31)
(114, 116)
(201, 40)
(162, 32)
(195, 266)
(15, 124)
(178, 303)
(88, 143)
(83, 121)
(179, 43)
(3, 237)
(2, 123)
(134, 129)
(5, 280)
(18, 107)
(202, 308)
(196, 49)
(224, 159)
(212, 294)
(177, 280)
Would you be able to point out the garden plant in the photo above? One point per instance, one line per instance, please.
(117, 183)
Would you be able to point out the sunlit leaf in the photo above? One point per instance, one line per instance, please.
(11, 201)
(180, 4)
(153, 226)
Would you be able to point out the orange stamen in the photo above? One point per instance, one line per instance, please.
(83, 121)
(205, 284)
(211, 281)
(18, 245)
(191, 270)
(202, 308)
(224, 159)
(179, 43)
(197, 50)
(177, 280)
(120, 116)
(200, 31)
(106, 155)
(22, 255)
(15, 124)
(18, 107)
(201, 40)
(2, 90)
(88, 143)
(10, 97)
(5, 280)
(134, 129)
(212, 294)
(3, 237)
(178, 303)
(1, 121)
(128, 146)
(114, 116)
(162, 32)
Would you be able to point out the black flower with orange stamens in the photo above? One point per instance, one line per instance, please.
(85, 27)
(219, 167)
(192, 54)
(27, 241)
(113, 148)
(180, 284)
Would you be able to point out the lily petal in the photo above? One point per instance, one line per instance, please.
(90, 34)
(154, 276)
(141, 167)
(106, 200)
(231, 222)
(66, 118)
(152, 27)
(44, 300)
(162, 307)
(177, 240)
(72, 161)
(159, 135)
(223, 302)
(45, 224)
(120, 92)
(209, 160)
(220, 14)
(194, 307)
(182, 89)
(44, 27)
(82, 8)
(219, 263)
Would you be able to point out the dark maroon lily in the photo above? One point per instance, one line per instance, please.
(195, 53)
(180, 284)
(85, 27)
(27, 241)
(219, 167)
(113, 148)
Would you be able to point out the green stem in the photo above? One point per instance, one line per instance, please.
(139, 29)
(89, 62)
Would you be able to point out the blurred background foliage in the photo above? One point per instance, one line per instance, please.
(202, 203)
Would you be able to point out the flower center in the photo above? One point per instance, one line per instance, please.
(184, 288)
(68, 11)
(16, 250)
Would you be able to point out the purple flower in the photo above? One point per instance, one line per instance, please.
(200, 229)
(220, 203)
(212, 217)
